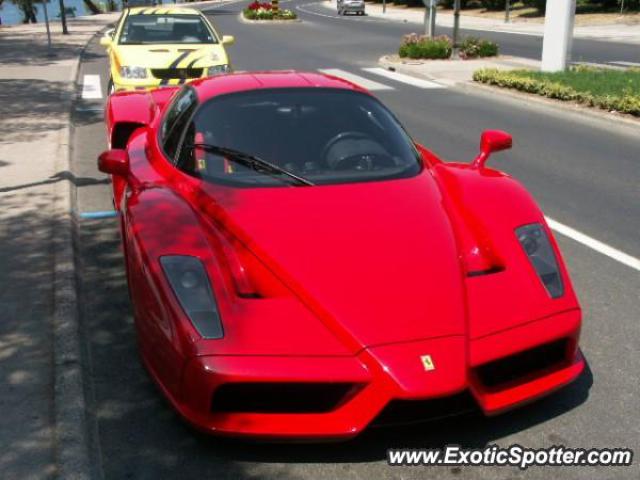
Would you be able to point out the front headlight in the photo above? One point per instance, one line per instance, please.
(218, 70)
(133, 72)
(190, 283)
(536, 245)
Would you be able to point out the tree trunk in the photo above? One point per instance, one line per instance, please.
(63, 18)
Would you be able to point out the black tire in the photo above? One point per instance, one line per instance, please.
(110, 87)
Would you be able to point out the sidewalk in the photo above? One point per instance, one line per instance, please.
(454, 72)
(614, 32)
(42, 426)
(35, 96)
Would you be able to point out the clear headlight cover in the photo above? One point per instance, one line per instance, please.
(190, 283)
(133, 72)
(218, 70)
(535, 243)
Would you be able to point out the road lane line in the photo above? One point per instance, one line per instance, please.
(358, 80)
(91, 88)
(400, 77)
(594, 244)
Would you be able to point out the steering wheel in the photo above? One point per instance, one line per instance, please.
(359, 161)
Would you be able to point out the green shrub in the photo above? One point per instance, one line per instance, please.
(494, 5)
(472, 47)
(449, 3)
(540, 5)
(287, 15)
(624, 100)
(264, 14)
(420, 46)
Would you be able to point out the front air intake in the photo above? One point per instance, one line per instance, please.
(523, 365)
(407, 412)
(280, 397)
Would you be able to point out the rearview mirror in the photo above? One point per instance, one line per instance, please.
(114, 162)
(492, 141)
(228, 39)
(106, 40)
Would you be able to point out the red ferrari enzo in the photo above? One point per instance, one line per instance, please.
(300, 268)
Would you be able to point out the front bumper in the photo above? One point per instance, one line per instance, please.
(125, 85)
(165, 78)
(378, 378)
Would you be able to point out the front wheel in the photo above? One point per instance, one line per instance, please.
(111, 88)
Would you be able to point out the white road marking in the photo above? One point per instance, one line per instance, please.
(594, 244)
(626, 64)
(91, 88)
(400, 77)
(358, 80)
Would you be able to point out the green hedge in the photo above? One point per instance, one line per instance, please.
(625, 101)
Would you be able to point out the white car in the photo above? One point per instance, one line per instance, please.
(353, 6)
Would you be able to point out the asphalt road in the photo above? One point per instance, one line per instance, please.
(523, 45)
(584, 173)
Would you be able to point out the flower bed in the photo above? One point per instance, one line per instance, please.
(266, 11)
(423, 47)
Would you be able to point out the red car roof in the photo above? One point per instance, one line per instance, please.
(238, 82)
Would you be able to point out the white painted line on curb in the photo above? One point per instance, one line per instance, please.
(363, 82)
(91, 88)
(400, 77)
(594, 244)
(626, 64)
(90, 109)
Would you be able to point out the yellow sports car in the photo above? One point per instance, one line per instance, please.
(152, 47)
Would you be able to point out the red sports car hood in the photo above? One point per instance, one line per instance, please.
(376, 261)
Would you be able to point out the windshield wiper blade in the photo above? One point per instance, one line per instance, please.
(257, 163)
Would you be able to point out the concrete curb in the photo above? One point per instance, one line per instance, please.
(72, 451)
(525, 98)
(405, 68)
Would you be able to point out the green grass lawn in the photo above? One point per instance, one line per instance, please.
(598, 81)
(615, 90)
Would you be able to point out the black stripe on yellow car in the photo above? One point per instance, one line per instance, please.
(193, 62)
(175, 63)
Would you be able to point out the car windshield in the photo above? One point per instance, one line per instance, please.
(323, 135)
(153, 29)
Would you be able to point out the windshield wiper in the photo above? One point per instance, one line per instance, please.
(251, 161)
